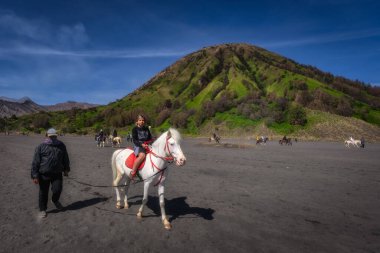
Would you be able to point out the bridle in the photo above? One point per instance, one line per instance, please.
(166, 149)
(169, 158)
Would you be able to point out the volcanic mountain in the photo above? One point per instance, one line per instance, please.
(240, 85)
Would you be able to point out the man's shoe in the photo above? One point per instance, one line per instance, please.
(58, 205)
(42, 214)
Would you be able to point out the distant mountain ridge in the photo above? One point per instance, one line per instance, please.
(21, 100)
(68, 106)
(25, 105)
(10, 107)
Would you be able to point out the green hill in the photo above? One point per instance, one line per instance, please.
(238, 89)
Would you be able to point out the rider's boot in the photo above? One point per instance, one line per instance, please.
(134, 170)
(140, 158)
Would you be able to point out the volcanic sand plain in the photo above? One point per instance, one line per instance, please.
(235, 197)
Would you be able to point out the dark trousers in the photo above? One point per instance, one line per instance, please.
(56, 188)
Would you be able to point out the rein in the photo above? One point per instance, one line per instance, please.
(169, 158)
(166, 158)
(112, 186)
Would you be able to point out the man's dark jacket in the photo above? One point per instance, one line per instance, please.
(50, 158)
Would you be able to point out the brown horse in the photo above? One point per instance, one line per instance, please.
(286, 141)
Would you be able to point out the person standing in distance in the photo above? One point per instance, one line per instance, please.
(49, 162)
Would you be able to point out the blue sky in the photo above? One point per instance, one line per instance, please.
(99, 51)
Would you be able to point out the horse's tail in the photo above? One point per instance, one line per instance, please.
(113, 164)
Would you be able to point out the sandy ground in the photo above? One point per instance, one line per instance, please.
(310, 197)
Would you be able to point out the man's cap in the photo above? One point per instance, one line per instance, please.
(51, 132)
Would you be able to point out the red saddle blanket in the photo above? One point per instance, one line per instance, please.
(131, 160)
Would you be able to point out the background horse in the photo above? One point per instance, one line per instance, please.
(356, 142)
(116, 141)
(352, 141)
(109, 139)
(215, 138)
(166, 148)
(262, 140)
(100, 140)
(286, 141)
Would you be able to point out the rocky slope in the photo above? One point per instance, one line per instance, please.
(24, 106)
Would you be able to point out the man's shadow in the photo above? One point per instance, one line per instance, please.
(81, 204)
(178, 207)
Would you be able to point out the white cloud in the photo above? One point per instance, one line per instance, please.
(75, 36)
(47, 51)
(325, 38)
(22, 31)
(37, 37)
(14, 25)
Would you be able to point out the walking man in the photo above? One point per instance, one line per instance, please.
(49, 162)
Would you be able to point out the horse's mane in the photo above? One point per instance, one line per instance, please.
(175, 135)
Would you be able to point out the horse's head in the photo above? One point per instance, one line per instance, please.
(173, 147)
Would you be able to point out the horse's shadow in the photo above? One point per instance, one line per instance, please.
(178, 207)
(81, 204)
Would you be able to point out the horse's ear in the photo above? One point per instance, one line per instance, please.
(169, 135)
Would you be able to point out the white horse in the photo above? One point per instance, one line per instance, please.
(352, 141)
(116, 141)
(166, 148)
(355, 142)
(109, 138)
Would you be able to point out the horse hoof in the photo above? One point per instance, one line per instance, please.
(139, 215)
(167, 225)
(126, 206)
(119, 206)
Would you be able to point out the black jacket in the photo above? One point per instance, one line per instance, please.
(141, 135)
(50, 158)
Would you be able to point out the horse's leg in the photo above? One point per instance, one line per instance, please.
(165, 221)
(116, 182)
(144, 200)
(118, 202)
(126, 205)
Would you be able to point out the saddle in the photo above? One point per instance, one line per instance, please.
(131, 160)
